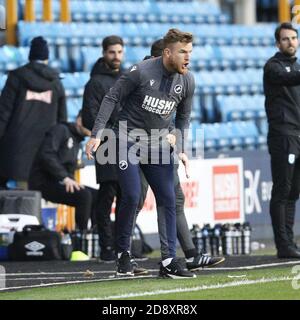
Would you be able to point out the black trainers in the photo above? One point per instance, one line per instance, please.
(124, 265)
(203, 260)
(175, 270)
(288, 253)
(138, 271)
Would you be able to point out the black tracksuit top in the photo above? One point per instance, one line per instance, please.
(150, 96)
(282, 91)
(58, 155)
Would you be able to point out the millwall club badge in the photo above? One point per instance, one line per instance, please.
(70, 143)
(288, 69)
(123, 165)
(178, 88)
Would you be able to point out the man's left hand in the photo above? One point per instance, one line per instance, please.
(185, 160)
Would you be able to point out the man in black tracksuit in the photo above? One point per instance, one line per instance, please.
(104, 74)
(54, 167)
(194, 261)
(32, 101)
(153, 91)
(282, 90)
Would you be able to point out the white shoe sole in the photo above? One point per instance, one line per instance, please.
(173, 276)
(126, 274)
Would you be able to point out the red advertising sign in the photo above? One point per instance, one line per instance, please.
(226, 192)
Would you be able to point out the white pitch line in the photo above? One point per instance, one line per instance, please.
(45, 278)
(114, 279)
(63, 273)
(155, 270)
(53, 273)
(267, 265)
(199, 288)
(75, 282)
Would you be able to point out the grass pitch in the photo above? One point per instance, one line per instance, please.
(265, 283)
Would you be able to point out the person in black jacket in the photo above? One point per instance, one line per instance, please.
(104, 74)
(152, 92)
(282, 91)
(54, 167)
(32, 101)
(194, 260)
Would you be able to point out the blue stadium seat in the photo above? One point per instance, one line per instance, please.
(8, 58)
(211, 137)
(225, 135)
(73, 107)
(146, 32)
(74, 83)
(3, 79)
(138, 11)
(89, 56)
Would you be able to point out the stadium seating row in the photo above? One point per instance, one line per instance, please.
(12, 57)
(235, 135)
(203, 57)
(80, 58)
(242, 107)
(144, 33)
(138, 11)
(218, 136)
(214, 82)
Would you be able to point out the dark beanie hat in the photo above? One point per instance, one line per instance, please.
(39, 49)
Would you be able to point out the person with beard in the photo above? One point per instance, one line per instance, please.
(104, 74)
(194, 260)
(32, 101)
(282, 91)
(151, 93)
(54, 168)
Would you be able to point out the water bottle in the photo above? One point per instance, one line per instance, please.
(197, 237)
(205, 238)
(246, 238)
(217, 230)
(95, 245)
(237, 239)
(66, 246)
(227, 239)
(211, 240)
(89, 244)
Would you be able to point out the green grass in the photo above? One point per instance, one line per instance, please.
(271, 290)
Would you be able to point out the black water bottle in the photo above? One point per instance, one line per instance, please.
(95, 245)
(197, 237)
(217, 231)
(89, 243)
(237, 239)
(205, 238)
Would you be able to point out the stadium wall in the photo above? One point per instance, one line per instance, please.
(257, 191)
(230, 187)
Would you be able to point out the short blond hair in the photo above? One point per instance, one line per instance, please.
(175, 35)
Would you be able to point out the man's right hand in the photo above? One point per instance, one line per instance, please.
(71, 185)
(92, 146)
